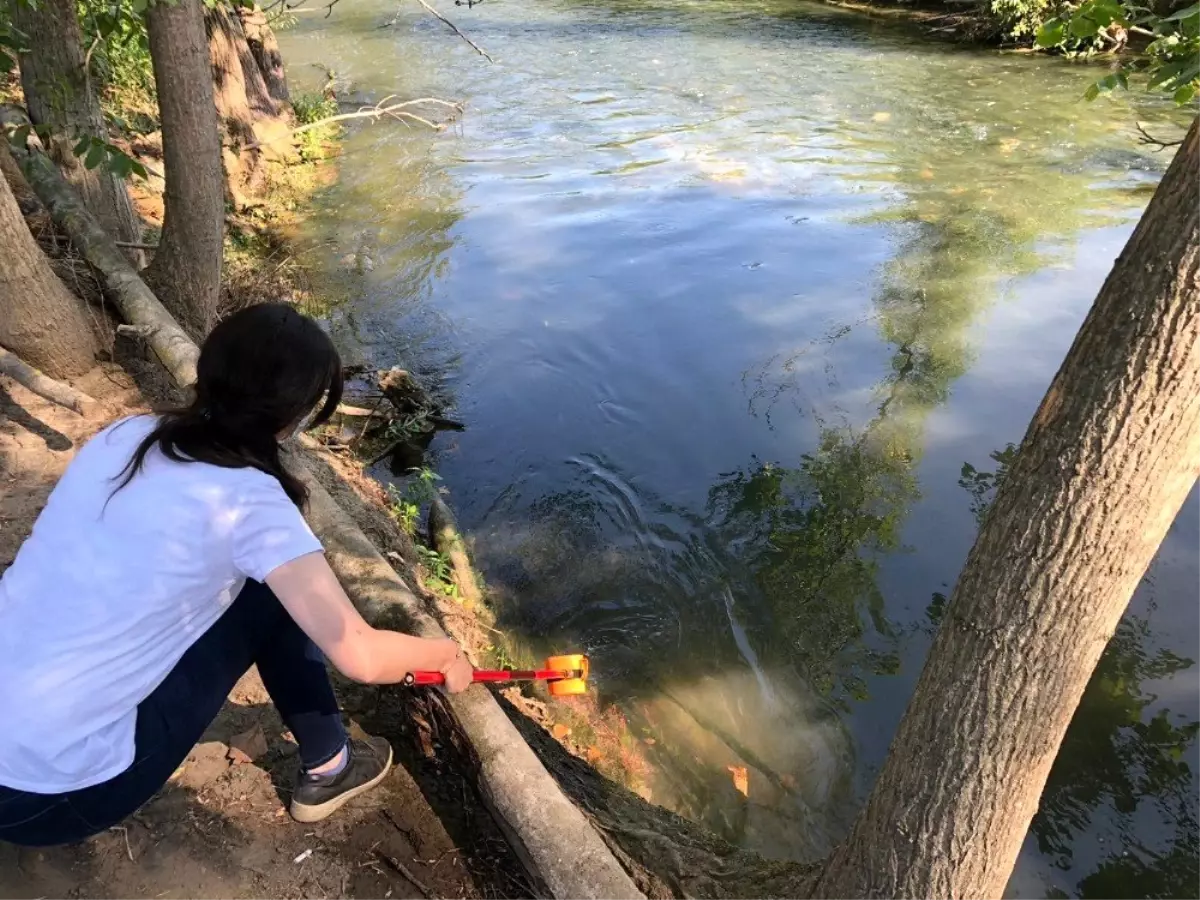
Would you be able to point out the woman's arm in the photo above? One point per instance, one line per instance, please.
(311, 594)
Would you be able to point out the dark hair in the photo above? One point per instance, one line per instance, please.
(260, 371)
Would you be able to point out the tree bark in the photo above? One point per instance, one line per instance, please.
(186, 271)
(59, 96)
(39, 318)
(265, 51)
(1104, 468)
(135, 301)
(251, 125)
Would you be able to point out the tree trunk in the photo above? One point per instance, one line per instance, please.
(265, 51)
(186, 271)
(40, 320)
(1107, 462)
(250, 122)
(124, 286)
(59, 96)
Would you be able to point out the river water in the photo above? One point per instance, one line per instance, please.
(743, 303)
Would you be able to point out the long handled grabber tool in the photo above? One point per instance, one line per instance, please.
(565, 676)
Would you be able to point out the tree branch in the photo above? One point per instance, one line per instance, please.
(455, 29)
(43, 385)
(396, 111)
(1149, 140)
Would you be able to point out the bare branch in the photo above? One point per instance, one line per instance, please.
(455, 29)
(135, 245)
(398, 111)
(1148, 140)
(44, 386)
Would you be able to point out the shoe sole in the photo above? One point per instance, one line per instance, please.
(303, 812)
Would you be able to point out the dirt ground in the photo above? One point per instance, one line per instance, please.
(219, 827)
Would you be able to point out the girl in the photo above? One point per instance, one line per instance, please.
(171, 557)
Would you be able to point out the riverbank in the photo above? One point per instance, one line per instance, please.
(967, 23)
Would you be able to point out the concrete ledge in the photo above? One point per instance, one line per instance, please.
(556, 841)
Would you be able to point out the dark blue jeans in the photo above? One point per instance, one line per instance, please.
(256, 629)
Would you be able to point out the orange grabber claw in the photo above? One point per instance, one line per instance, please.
(565, 675)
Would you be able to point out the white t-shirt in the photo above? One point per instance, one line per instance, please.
(101, 602)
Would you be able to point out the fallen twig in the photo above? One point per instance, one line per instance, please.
(404, 870)
(136, 245)
(454, 28)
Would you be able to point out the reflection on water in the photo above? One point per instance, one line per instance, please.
(728, 293)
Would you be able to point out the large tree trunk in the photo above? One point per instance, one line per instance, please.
(59, 96)
(1104, 468)
(40, 319)
(253, 129)
(265, 50)
(186, 271)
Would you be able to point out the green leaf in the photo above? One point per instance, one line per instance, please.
(120, 164)
(1167, 72)
(1176, 74)
(82, 147)
(139, 170)
(1082, 27)
(1189, 12)
(1051, 34)
(1184, 95)
(95, 156)
(1092, 92)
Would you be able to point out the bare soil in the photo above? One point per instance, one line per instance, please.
(219, 827)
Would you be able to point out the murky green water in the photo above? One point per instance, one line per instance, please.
(729, 292)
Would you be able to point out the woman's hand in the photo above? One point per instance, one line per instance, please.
(458, 671)
(310, 593)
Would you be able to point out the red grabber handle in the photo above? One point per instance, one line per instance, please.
(497, 675)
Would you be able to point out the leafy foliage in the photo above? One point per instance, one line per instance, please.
(120, 54)
(1022, 18)
(1171, 63)
(981, 485)
(95, 151)
(309, 108)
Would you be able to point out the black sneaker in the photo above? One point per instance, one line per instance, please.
(318, 796)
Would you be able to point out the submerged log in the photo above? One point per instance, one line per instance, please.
(406, 394)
